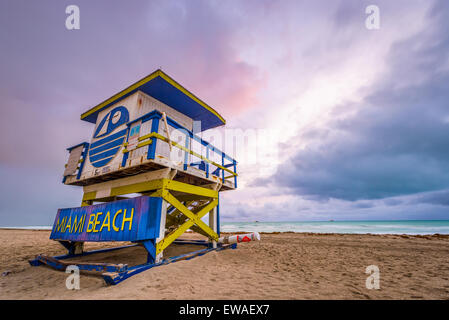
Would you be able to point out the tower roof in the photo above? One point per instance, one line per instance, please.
(162, 87)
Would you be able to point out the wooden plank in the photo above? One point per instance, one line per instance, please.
(191, 189)
(115, 278)
(111, 221)
(175, 219)
(138, 187)
(213, 224)
(195, 218)
(74, 158)
(143, 177)
(161, 245)
(164, 117)
(90, 266)
(191, 177)
(161, 137)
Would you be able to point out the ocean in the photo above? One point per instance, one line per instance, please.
(374, 227)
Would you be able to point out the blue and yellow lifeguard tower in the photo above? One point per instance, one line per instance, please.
(147, 177)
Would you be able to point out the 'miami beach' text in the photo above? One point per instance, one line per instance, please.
(97, 221)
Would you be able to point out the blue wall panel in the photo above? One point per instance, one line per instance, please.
(104, 222)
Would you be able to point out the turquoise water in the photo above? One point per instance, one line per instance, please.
(375, 227)
(30, 227)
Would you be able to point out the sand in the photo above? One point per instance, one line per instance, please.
(281, 266)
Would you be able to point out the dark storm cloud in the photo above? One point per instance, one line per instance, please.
(397, 143)
(436, 198)
(364, 205)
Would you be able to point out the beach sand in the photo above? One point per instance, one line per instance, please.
(280, 266)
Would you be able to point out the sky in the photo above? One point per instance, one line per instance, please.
(341, 122)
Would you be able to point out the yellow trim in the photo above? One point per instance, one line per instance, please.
(147, 136)
(143, 144)
(174, 217)
(189, 218)
(120, 94)
(160, 188)
(139, 145)
(158, 136)
(86, 203)
(167, 78)
(89, 196)
(191, 189)
(141, 82)
(194, 219)
(138, 187)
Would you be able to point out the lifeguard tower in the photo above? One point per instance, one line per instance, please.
(147, 178)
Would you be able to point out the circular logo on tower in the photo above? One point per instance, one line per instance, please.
(107, 138)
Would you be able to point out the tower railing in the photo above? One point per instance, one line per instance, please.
(206, 160)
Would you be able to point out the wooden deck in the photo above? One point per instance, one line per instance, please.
(192, 175)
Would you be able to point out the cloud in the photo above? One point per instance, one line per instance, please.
(395, 142)
(440, 198)
(431, 205)
(51, 75)
(261, 64)
(197, 42)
